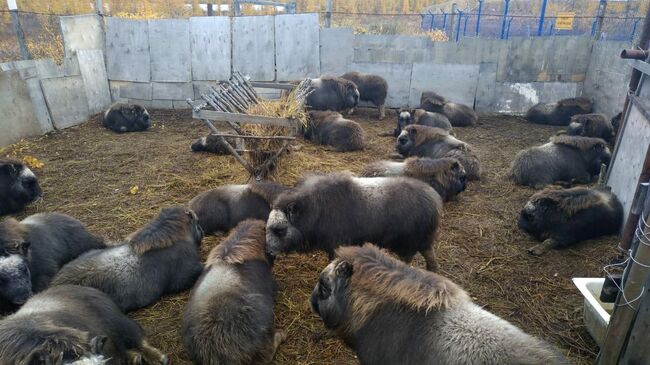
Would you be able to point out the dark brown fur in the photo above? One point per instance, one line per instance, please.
(372, 88)
(559, 113)
(459, 115)
(171, 226)
(213, 144)
(332, 93)
(594, 125)
(330, 128)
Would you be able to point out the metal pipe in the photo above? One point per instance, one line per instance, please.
(432, 22)
(478, 17)
(542, 14)
(465, 26)
(634, 29)
(444, 21)
(634, 54)
(505, 17)
(508, 29)
(460, 16)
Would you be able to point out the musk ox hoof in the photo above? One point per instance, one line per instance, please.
(165, 360)
(537, 250)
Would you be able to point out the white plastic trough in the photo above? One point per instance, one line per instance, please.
(596, 313)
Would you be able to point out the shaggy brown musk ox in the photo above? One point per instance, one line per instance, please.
(459, 115)
(330, 128)
(559, 113)
(372, 88)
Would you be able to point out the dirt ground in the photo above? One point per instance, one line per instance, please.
(117, 183)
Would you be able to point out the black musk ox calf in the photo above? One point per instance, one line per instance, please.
(459, 115)
(212, 144)
(562, 217)
(327, 211)
(33, 250)
(122, 118)
(422, 141)
(591, 125)
(391, 313)
(565, 159)
(222, 208)
(372, 88)
(559, 113)
(74, 325)
(446, 175)
(160, 258)
(330, 128)
(229, 316)
(332, 93)
(18, 186)
(421, 117)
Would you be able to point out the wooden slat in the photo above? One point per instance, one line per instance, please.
(255, 137)
(243, 118)
(272, 85)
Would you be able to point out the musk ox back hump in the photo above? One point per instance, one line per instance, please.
(332, 93)
(372, 88)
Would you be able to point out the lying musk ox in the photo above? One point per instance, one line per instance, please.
(559, 113)
(229, 316)
(422, 141)
(330, 128)
(591, 125)
(565, 159)
(33, 250)
(332, 93)
(391, 313)
(212, 144)
(160, 258)
(459, 115)
(562, 217)
(372, 88)
(71, 324)
(446, 175)
(122, 118)
(222, 208)
(327, 211)
(18, 186)
(421, 117)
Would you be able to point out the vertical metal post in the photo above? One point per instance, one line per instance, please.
(444, 22)
(542, 14)
(432, 20)
(20, 36)
(328, 14)
(465, 26)
(452, 22)
(460, 17)
(550, 29)
(478, 17)
(505, 17)
(593, 27)
(634, 29)
(600, 18)
(210, 10)
(100, 8)
(508, 30)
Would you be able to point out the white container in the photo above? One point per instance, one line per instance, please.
(596, 313)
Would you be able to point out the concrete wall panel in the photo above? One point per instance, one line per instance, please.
(169, 45)
(210, 43)
(297, 46)
(607, 77)
(253, 47)
(336, 50)
(127, 50)
(455, 82)
(398, 77)
(93, 73)
(517, 98)
(172, 90)
(19, 119)
(66, 100)
(80, 32)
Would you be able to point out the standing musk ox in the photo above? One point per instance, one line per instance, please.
(559, 113)
(446, 175)
(459, 115)
(591, 125)
(372, 88)
(18, 186)
(327, 211)
(123, 118)
(160, 258)
(421, 117)
(332, 93)
(34, 250)
(222, 208)
(562, 217)
(422, 141)
(391, 313)
(229, 316)
(213, 144)
(565, 159)
(330, 128)
(75, 325)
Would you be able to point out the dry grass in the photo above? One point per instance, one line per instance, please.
(89, 171)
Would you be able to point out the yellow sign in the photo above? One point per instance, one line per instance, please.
(564, 21)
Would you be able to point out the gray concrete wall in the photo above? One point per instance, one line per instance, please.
(297, 46)
(607, 77)
(18, 119)
(80, 32)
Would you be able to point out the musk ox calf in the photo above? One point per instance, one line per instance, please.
(18, 186)
(71, 324)
(372, 88)
(421, 117)
(391, 313)
(332, 93)
(229, 316)
(330, 128)
(459, 115)
(422, 141)
(327, 211)
(122, 118)
(222, 208)
(559, 113)
(446, 175)
(591, 125)
(33, 250)
(212, 144)
(160, 258)
(562, 217)
(565, 159)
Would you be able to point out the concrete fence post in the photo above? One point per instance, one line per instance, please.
(453, 20)
(20, 35)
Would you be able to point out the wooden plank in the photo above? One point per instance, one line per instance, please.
(243, 118)
(254, 137)
(640, 65)
(272, 85)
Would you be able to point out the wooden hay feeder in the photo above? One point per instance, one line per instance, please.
(259, 140)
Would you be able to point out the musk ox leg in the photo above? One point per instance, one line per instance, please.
(152, 355)
(133, 357)
(278, 338)
(351, 111)
(382, 112)
(430, 258)
(539, 250)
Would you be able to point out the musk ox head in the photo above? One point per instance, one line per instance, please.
(596, 155)
(537, 216)
(404, 118)
(127, 118)
(140, 117)
(15, 279)
(351, 95)
(406, 141)
(281, 234)
(199, 144)
(329, 299)
(18, 186)
(78, 355)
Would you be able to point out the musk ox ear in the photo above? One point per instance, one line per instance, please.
(343, 269)
(292, 211)
(97, 344)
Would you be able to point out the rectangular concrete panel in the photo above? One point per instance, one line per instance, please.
(485, 90)
(517, 98)
(253, 47)
(398, 77)
(93, 73)
(392, 48)
(172, 90)
(133, 90)
(297, 46)
(80, 32)
(169, 44)
(19, 119)
(607, 77)
(336, 50)
(127, 50)
(210, 42)
(455, 82)
(45, 67)
(66, 99)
